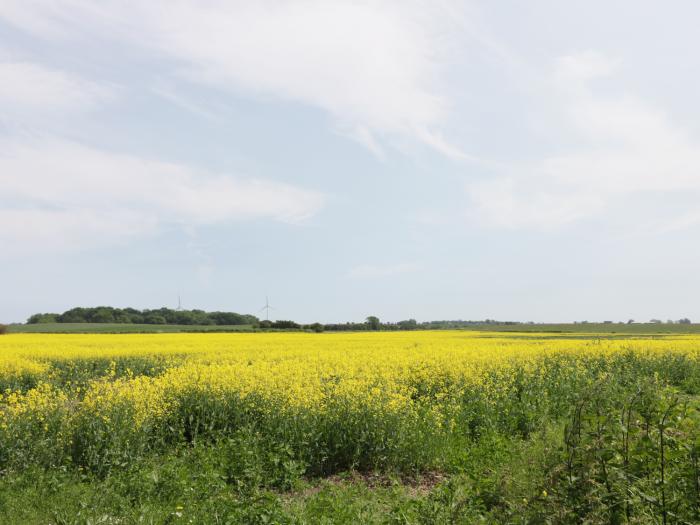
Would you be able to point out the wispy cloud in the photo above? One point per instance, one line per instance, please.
(30, 91)
(624, 146)
(376, 67)
(64, 194)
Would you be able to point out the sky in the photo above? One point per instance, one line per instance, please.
(528, 161)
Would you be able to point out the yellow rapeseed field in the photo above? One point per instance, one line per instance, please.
(347, 398)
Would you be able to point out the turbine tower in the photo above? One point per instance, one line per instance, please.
(267, 308)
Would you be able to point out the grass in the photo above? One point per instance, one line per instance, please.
(596, 328)
(189, 486)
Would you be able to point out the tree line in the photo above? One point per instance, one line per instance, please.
(168, 316)
(372, 323)
(108, 314)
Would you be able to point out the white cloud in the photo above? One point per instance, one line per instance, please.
(528, 202)
(373, 271)
(623, 147)
(27, 231)
(64, 194)
(376, 67)
(584, 66)
(31, 90)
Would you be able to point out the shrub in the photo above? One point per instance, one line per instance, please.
(3, 329)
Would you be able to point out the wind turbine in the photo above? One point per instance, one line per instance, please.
(267, 308)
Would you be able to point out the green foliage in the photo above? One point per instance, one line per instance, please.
(124, 328)
(285, 325)
(409, 324)
(108, 314)
(373, 322)
(629, 455)
(3, 329)
(315, 327)
(42, 318)
(250, 460)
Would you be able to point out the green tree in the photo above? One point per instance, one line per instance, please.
(409, 324)
(74, 315)
(316, 327)
(102, 314)
(42, 318)
(374, 322)
(154, 318)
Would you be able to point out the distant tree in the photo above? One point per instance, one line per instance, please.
(102, 314)
(3, 329)
(316, 327)
(282, 325)
(230, 318)
(250, 319)
(409, 324)
(670, 321)
(200, 317)
(374, 322)
(131, 315)
(108, 314)
(74, 315)
(265, 324)
(42, 318)
(685, 320)
(630, 321)
(154, 318)
(122, 317)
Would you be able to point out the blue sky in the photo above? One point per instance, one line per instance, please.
(437, 160)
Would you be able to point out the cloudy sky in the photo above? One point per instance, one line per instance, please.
(438, 160)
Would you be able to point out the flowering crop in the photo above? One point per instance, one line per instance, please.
(368, 400)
